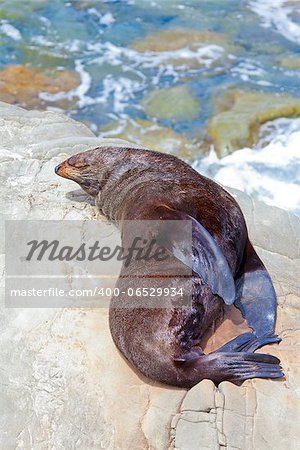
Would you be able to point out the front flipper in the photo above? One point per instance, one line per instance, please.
(207, 260)
(256, 298)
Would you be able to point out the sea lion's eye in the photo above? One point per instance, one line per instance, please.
(76, 162)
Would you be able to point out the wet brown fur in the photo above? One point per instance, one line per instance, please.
(129, 184)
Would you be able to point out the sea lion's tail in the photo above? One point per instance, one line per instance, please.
(231, 366)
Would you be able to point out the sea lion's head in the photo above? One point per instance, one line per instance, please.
(88, 169)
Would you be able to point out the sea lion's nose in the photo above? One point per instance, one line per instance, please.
(57, 168)
(62, 169)
(66, 171)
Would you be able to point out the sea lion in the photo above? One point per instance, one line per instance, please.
(163, 343)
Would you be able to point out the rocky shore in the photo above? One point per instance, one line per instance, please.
(64, 383)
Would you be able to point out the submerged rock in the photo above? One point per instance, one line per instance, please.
(22, 85)
(13, 10)
(151, 135)
(241, 114)
(198, 48)
(65, 383)
(176, 38)
(292, 63)
(175, 104)
(44, 58)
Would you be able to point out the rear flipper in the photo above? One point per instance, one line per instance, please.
(237, 367)
(234, 367)
(248, 342)
(255, 295)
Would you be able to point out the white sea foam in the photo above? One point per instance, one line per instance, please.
(79, 92)
(136, 62)
(122, 89)
(85, 84)
(250, 71)
(10, 31)
(42, 41)
(113, 54)
(104, 19)
(276, 14)
(107, 19)
(270, 171)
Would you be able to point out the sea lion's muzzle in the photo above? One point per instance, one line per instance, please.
(67, 170)
(80, 175)
(59, 170)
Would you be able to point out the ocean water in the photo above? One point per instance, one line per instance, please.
(97, 40)
(270, 171)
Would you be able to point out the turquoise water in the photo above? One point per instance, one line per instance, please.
(94, 38)
(97, 40)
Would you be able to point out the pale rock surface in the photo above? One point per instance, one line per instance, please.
(260, 414)
(63, 383)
